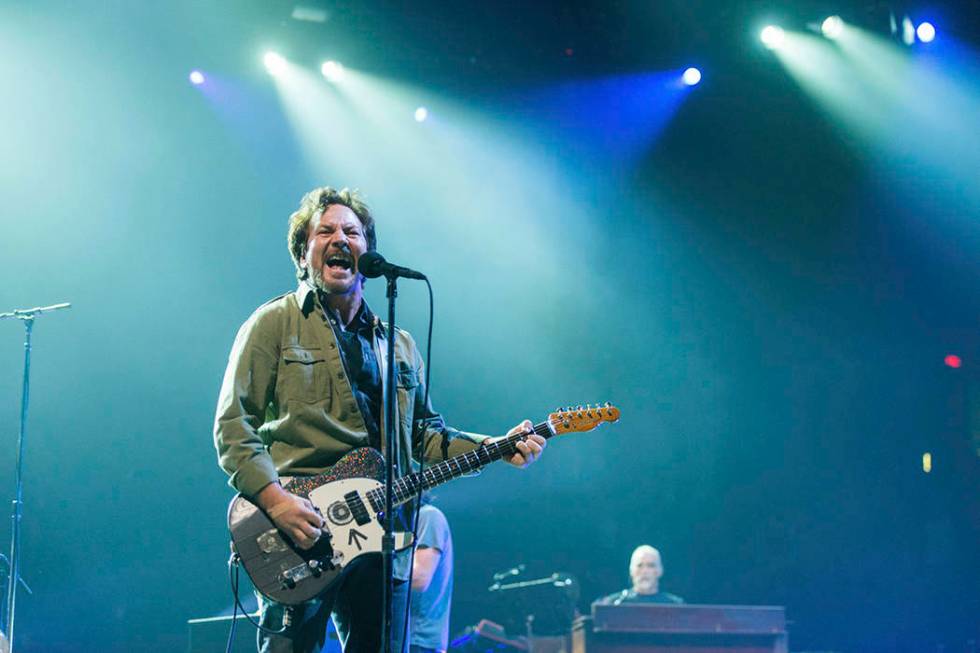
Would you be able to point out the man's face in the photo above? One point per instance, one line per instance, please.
(334, 244)
(645, 572)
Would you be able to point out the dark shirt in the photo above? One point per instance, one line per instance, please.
(630, 596)
(362, 367)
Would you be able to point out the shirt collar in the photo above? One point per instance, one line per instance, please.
(306, 298)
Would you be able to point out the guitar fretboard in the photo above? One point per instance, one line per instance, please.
(407, 487)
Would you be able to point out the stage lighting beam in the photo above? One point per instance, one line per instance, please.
(196, 77)
(333, 71)
(832, 27)
(421, 114)
(274, 63)
(772, 37)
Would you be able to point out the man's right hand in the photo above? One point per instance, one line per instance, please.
(293, 515)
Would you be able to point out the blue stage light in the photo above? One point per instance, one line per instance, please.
(196, 77)
(926, 32)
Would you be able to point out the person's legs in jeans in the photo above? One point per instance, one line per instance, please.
(307, 631)
(357, 609)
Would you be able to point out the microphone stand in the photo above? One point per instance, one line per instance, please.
(388, 539)
(27, 316)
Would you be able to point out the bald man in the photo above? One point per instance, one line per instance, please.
(645, 572)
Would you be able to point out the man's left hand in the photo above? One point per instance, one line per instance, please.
(529, 449)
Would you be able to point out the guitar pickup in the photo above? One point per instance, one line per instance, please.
(357, 508)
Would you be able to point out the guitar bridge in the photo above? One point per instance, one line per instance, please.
(289, 577)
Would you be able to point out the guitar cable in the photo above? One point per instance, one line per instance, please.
(418, 498)
(234, 565)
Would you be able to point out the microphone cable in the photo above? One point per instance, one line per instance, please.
(417, 424)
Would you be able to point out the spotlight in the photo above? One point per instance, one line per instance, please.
(274, 63)
(832, 27)
(333, 71)
(908, 31)
(196, 77)
(926, 32)
(772, 36)
(421, 114)
(691, 76)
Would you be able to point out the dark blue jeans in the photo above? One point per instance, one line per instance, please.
(355, 605)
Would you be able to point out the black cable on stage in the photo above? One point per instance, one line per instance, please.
(233, 567)
(418, 498)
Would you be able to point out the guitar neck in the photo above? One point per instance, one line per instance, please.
(407, 487)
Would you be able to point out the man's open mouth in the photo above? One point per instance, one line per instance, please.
(339, 262)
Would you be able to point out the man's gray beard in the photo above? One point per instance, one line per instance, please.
(315, 279)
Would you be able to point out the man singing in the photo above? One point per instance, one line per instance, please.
(304, 386)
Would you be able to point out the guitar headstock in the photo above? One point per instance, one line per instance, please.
(582, 418)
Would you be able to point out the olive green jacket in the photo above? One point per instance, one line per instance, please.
(286, 404)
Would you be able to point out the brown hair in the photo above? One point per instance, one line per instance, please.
(315, 203)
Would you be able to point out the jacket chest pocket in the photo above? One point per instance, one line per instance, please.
(302, 375)
(407, 381)
(407, 377)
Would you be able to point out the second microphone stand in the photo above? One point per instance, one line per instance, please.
(27, 316)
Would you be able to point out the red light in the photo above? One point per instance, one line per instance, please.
(952, 360)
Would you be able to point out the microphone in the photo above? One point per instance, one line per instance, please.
(372, 264)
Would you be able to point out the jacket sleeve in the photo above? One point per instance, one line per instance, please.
(246, 392)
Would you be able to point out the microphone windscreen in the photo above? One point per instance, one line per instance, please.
(371, 264)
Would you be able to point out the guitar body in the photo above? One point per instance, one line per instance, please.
(285, 573)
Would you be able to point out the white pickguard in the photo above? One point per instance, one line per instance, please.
(348, 538)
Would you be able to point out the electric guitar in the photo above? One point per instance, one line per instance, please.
(351, 499)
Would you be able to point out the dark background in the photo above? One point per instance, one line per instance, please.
(767, 295)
